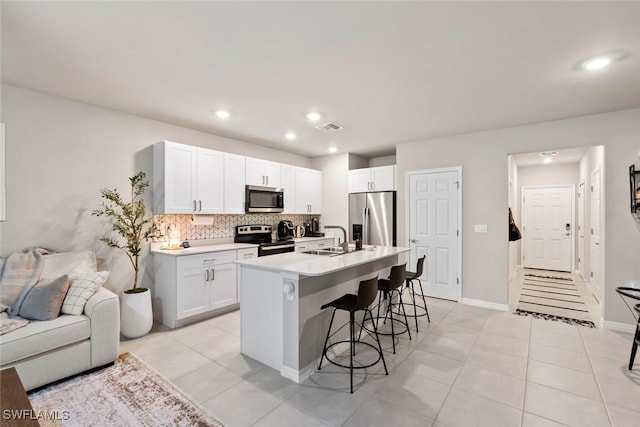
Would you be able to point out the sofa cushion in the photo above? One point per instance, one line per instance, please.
(83, 286)
(41, 336)
(44, 300)
(56, 265)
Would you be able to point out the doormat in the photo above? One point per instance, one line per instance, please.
(585, 323)
(127, 393)
(542, 276)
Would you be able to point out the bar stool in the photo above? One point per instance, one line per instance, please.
(633, 293)
(367, 291)
(410, 277)
(388, 288)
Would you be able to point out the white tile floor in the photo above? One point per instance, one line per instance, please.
(468, 367)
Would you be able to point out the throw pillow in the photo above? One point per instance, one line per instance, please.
(44, 300)
(83, 286)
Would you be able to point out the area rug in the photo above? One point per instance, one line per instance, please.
(128, 393)
(554, 298)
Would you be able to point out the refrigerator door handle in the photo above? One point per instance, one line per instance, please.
(365, 228)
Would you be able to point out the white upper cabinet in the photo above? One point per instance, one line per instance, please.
(308, 191)
(262, 172)
(234, 176)
(187, 179)
(288, 181)
(381, 178)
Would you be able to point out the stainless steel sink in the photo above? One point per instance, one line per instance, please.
(334, 251)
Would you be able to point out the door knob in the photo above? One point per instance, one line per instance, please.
(413, 240)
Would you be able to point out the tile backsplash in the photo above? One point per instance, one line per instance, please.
(223, 225)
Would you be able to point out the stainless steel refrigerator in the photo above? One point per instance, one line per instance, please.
(372, 218)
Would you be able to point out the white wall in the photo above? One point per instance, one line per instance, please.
(335, 185)
(60, 153)
(483, 157)
(382, 161)
(513, 187)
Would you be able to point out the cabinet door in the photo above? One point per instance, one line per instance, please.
(254, 172)
(272, 174)
(359, 180)
(303, 188)
(288, 184)
(234, 177)
(180, 178)
(383, 178)
(315, 191)
(209, 182)
(223, 286)
(192, 292)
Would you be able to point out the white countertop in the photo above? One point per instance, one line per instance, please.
(193, 250)
(310, 239)
(318, 265)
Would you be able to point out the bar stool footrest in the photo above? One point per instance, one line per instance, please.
(349, 349)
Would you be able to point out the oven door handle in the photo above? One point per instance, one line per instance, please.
(273, 248)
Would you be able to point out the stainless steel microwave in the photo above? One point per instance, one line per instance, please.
(264, 199)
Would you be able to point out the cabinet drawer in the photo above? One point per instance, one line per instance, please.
(209, 259)
(247, 253)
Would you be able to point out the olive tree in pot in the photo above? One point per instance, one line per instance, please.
(131, 228)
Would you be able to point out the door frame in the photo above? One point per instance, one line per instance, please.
(523, 213)
(458, 171)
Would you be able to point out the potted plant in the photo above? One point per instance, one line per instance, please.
(130, 222)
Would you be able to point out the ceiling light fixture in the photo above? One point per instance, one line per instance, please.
(601, 61)
(290, 136)
(221, 114)
(313, 116)
(547, 160)
(333, 149)
(547, 156)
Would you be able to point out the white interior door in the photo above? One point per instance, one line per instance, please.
(434, 223)
(547, 227)
(596, 261)
(581, 229)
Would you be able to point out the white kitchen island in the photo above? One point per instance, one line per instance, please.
(282, 325)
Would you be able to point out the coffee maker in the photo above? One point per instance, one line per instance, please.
(285, 230)
(315, 225)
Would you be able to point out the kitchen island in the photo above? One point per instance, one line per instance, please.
(282, 325)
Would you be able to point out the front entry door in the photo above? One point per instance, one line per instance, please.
(433, 231)
(548, 224)
(596, 256)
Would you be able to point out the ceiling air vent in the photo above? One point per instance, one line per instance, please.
(330, 126)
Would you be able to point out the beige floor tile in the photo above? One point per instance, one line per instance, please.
(467, 409)
(552, 327)
(498, 361)
(241, 365)
(206, 382)
(219, 347)
(567, 342)
(610, 347)
(378, 412)
(508, 328)
(242, 405)
(414, 393)
(623, 394)
(330, 402)
(499, 387)
(193, 335)
(559, 357)
(457, 333)
(432, 366)
(271, 381)
(611, 368)
(287, 415)
(623, 417)
(446, 347)
(150, 345)
(530, 420)
(572, 381)
(180, 361)
(503, 344)
(563, 407)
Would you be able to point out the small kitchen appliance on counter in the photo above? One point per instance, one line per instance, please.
(261, 235)
(314, 228)
(285, 230)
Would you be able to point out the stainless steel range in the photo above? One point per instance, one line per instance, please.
(261, 235)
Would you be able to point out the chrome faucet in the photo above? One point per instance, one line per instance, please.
(344, 244)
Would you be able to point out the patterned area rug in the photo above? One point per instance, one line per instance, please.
(128, 393)
(554, 298)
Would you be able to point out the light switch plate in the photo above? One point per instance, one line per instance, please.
(480, 228)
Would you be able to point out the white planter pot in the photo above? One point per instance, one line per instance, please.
(136, 315)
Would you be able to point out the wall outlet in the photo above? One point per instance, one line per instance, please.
(480, 228)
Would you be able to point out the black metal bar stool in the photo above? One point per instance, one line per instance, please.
(367, 291)
(388, 289)
(410, 277)
(633, 293)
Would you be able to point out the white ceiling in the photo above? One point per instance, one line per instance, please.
(567, 155)
(389, 72)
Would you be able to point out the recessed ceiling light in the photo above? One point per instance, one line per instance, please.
(333, 149)
(547, 160)
(290, 136)
(221, 114)
(601, 61)
(313, 116)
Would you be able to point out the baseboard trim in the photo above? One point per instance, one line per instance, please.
(620, 327)
(485, 304)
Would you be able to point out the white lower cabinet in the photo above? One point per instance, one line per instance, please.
(191, 285)
(311, 245)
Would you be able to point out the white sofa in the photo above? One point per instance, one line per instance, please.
(47, 351)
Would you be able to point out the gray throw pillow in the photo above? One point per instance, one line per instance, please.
(44, 300)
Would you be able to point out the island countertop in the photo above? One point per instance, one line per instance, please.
(319, 265)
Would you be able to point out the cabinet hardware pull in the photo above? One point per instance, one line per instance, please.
(209, 260)
(206, 275)
(373, 185)
(194, 205)
(267, 179)
(200, 201)
(248, 255)
(213, 274)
